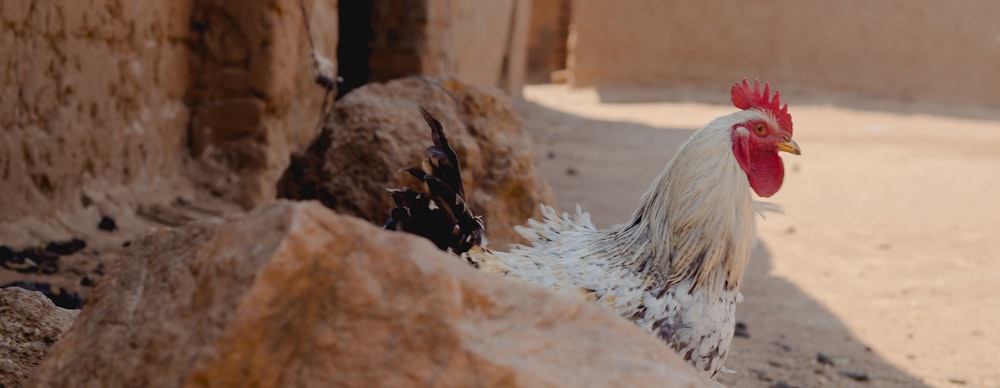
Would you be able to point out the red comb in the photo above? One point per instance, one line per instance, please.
(745, 97)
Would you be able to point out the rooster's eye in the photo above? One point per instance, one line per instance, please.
(760, 129)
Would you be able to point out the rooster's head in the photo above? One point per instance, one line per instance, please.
(757, 140)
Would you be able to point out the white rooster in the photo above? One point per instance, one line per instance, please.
(675, 268)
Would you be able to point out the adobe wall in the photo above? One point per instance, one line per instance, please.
(899, 48)
(481, 42)
(253, 96)
(547, 36)
(112, 106)
(93, 98)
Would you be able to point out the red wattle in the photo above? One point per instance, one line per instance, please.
(766, 174)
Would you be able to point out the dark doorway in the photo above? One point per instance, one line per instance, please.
(354, 46)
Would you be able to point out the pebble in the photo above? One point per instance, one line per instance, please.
(855, 375)
(741, 330)
(107, 224)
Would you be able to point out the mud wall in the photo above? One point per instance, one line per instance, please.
(253, 98)
(93, 97)
(482, 42)
(112, 105)
(900, 48)
(547, 35)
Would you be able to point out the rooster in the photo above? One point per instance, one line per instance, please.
(674, 269)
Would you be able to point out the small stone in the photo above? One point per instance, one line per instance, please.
(822, 358)
(761, 375)
(781, 384)
(6, 253)
(65, 248)
(783, 346)
(551, 155)
(855, 375)
(741, 330)
(571, 171)
(107, 224)
(957, 381)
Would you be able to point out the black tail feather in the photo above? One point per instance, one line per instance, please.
(441, 214)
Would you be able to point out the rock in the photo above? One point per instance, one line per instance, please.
(29, 324)
(377, 129)
(855, 375)
(293, 294)
(59, 296)
(781, 384)
(741, 330)
(107, 224)
(822, 358)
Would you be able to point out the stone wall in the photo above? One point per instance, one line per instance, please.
(899, 48)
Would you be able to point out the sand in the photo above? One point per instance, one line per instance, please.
(886, 254)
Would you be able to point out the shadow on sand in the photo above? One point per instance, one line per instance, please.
(787, 328)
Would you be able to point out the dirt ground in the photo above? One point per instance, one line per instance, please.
(881, 270)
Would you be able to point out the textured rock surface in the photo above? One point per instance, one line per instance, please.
(295, 295)
(377, 129)
(29, 324)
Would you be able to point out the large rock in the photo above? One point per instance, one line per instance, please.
(377, 129)
(29, 324)
(295, 295)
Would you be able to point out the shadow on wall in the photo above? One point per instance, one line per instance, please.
(787, 327)
(800, 94)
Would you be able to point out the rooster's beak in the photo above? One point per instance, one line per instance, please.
(789, 146)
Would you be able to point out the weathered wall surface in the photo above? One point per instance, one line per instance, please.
(482, 42)
(93, 99)
(253, 101)
(547, 36)
(901, 48)
(99, 96)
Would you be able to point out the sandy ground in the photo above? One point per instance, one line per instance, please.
(887, 252)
